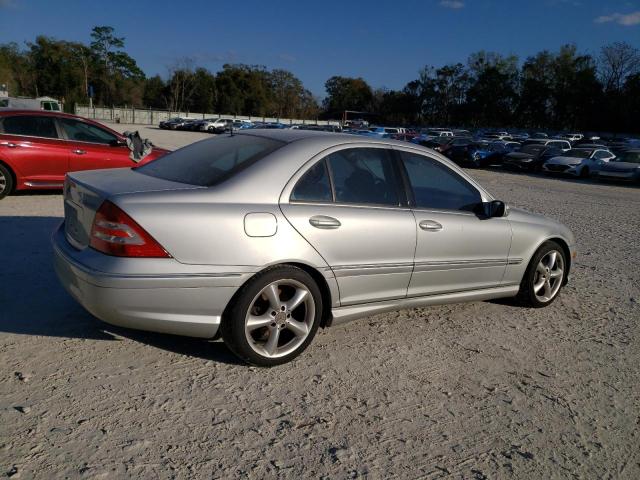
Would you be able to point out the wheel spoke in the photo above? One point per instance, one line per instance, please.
(272, 343)
(299, 328)
(547, 289)
(297, 299)
(271, 292)
(556, 273)
(255, 322)
(541, 269)
(552, 259)
(538, 286)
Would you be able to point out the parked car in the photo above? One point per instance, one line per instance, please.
(624, 167)
(572, 137)
(38, 148)
(564, 145)
(579, 162)
(250, 236)
(219, 125)
(468, 153)
(501, 148)
(166, 124)
(180, 123)
(530, 157)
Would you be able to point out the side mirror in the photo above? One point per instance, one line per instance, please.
(496, 209)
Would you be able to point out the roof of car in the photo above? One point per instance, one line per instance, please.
(14, 111)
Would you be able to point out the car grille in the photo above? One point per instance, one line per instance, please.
(557, 168)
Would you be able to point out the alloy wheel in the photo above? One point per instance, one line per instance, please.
(280, 318)
(548, 276)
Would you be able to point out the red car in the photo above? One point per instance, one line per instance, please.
(38, 148)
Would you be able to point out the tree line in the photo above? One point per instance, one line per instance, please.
(563, 89)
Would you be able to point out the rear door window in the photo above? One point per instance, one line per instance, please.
(30, 125)
(364, 176)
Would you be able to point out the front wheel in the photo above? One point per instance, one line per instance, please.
(273, 317)
(544, 277)
(6, 181)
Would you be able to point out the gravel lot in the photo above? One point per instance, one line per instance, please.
(478, 390)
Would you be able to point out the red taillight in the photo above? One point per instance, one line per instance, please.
(115, 233)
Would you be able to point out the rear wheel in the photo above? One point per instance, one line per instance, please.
(6, 181)
(544, 276)
(274, 316)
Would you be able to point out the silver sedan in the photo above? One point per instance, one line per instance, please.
(265, 236)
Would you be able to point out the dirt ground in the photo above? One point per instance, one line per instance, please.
(477, 390)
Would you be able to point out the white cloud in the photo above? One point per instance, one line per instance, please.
(627, 20)
(455, 4)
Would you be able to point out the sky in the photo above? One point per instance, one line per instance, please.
(384, 42)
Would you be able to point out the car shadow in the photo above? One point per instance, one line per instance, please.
(32, 301)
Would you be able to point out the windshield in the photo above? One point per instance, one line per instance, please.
(578, 153)
(629, 157)
(211, 161)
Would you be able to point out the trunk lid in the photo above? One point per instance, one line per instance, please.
(85, 191)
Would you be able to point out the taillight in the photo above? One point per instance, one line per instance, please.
(115, 233)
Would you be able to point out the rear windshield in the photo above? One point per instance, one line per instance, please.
(211, 161)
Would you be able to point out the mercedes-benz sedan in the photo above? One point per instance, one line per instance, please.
(265, 236)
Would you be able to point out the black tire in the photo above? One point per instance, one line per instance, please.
(233, 322)
(6, 181)
(526, 295)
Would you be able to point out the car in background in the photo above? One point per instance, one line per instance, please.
(468, 153)
(265, 236)
(564, 145)
(181, 123)
(500, 148)
(381, 132)
(624, 167)
(219, 125)
(166, 124)
(530, 157)
(579, 162)
(572, 137)
(38, 148)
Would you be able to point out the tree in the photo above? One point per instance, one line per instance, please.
(115, 66)
(346, 93)
(618, 61)
(492, 95)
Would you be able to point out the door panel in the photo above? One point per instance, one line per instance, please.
(89, 146)
(456, 249)
(39, 161)
(92, 156)
(466, 253)
(370, 252)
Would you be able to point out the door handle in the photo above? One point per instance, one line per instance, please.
(9, 144)
(79, 152)
(324, 222)
(430, 226)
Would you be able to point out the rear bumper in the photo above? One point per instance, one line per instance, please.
(179, 303)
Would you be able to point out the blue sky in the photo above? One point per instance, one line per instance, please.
(384, 42)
